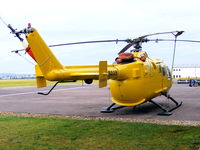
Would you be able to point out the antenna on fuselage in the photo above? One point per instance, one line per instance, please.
(174, 52)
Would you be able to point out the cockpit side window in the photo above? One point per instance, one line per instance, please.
(163, 71)
(160, 69)
(169, 73)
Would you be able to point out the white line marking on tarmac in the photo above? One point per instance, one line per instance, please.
(26, 93)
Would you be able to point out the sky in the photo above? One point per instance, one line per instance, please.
(65, 21)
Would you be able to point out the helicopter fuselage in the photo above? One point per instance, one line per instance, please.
(144, 81)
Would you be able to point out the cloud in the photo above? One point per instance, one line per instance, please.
(65, 21)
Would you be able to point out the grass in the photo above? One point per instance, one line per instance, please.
(21, 133)
(14, 83)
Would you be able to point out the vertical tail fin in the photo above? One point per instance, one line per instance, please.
(45, 58)
(103, 75)
(40, 79)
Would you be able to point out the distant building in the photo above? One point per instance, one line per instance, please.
(186, 72)
(10, 76)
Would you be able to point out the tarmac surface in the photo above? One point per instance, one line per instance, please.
(87, 101)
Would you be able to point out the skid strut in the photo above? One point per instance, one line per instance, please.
(42, 93)
(167, 112)
(110, 108)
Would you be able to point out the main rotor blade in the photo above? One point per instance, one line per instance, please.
(176, 33)
(126, 48)
(76, 43)
(170, 40)
(88, 42)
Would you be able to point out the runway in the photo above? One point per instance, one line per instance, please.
(87, 101)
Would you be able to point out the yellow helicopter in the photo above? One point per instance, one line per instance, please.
(134, 79)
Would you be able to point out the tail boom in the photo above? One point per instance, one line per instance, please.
(49, 68)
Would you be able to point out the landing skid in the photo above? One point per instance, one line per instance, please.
(166, 112)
